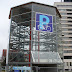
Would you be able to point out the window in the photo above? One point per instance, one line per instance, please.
(63, 13)
(67, 63)
(69, 13)
(64, 5)
(67, 0)
(70, 22)
(70, 37)
(69, 25)
(69, 9)
(70, 63)
(67, 57)
(61, 9)
(69, 17)
(70, 46)
(70, 29)
(69, 33)
(68, 51)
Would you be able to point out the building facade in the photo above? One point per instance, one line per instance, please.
(35, 37)
(67, 0)
(65, 9)
(4, 54)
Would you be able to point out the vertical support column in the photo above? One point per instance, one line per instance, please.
(69, 66)
(56, 40)
(38, 46)
(36, 69)
(31, 37)
(7, 54)
(63, 62)
(38, 40)
(30, 46)
(0, 67)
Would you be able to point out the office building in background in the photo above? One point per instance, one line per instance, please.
(65, 9)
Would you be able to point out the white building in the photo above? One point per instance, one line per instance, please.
(65, 9)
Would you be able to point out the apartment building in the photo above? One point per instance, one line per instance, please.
(65, 9)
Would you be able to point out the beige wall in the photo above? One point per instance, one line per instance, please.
(67, 42)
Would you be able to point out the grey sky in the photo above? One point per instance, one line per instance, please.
(5, 6)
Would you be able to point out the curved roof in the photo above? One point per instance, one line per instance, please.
(34, 3)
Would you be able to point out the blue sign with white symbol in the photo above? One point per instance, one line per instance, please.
(44, 22)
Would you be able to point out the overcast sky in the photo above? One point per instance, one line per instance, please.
(5, 6)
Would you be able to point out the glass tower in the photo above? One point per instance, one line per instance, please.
(28, 46)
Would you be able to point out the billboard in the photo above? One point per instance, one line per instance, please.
(44, 22)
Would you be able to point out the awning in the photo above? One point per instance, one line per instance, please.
(46, 57)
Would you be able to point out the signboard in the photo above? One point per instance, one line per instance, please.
(16, 71)
(44, 22)
(21, 68)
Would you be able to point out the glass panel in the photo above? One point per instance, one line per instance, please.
(46, 57)
(21, 9)
(44, 36)
(22, 18)
(20, 42)
(18, 56)
(43, 9)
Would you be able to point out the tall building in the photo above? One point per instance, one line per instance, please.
(35, 37)
(65, 9)
(67, 0)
